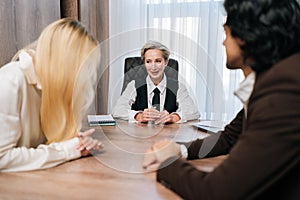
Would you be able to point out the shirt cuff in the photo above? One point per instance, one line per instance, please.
(184, 152)
(131, 114)
(69, 147)
(182, 118)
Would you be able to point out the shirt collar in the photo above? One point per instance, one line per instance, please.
(28, 69)
(245, 89)
(161, 86)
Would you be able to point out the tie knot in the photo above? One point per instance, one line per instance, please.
(156, 91)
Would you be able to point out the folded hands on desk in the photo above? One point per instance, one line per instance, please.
(158, 117)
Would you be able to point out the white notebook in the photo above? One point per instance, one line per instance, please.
(210, 126)
(101, 120)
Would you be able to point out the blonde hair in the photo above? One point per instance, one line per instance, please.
(65, 62)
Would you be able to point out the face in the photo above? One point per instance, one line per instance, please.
(233, 50)
(155, 65)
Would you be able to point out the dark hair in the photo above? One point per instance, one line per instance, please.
(269, 28)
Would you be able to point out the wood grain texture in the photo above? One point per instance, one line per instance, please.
(94, 14)
(108, 174)
(21, 22)
(69, 8)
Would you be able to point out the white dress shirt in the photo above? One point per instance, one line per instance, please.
(22, 143)
(187, 109)
(245, 90)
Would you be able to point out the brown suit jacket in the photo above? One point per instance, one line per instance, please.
(264, 149)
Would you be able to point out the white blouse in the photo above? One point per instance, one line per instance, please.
(22, 143)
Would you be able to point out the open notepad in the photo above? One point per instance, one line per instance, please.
(210, 126)
(101, 120)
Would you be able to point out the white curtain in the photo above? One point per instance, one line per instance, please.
(193, 31)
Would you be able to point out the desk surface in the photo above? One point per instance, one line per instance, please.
(114, 173)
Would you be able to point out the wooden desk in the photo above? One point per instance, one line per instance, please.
(115, 173)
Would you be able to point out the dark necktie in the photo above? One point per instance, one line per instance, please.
(156, 99)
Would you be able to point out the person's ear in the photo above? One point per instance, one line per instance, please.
(240, 42)
(167, 61)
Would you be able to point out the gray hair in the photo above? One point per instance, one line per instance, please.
(155, 45)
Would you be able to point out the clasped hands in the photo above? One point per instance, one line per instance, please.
(158, 153)
(87, 143)
(153, 115)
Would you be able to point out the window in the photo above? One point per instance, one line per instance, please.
(193, 31)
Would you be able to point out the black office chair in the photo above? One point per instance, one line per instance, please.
(134, 69)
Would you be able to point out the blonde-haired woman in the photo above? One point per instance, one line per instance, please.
(45, 95)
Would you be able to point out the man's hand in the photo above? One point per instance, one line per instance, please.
(158, 153)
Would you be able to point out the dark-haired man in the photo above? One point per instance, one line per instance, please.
(263, 145)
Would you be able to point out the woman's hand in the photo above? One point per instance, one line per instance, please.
(158, 153)
(87, 143)
(152, 115)
(166, 117)
(148, 115)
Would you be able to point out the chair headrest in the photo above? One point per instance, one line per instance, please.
(134, 69)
